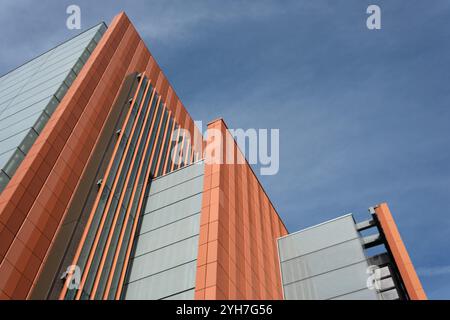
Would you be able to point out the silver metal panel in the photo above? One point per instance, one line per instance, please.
(326, 261)
(14, 140)
(385, 272)
(5, 156)
(186, 295)
(329, 285)
(167, 235)
(172, 213)
(317, 237)
(177, 193)
(30, 89)
(390, 295)
(164, 284)
(12, 116)
(177, 177)
(322, 261)
(364, 294)
(26, 123)
(165, 256)
(387, 283)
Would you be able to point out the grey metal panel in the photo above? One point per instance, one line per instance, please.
(20, 71)
(25, 111)
(18, 105)
(81, 40)
(363, 225)
(317, 237)
(389, 295)
(322, 261)
(326, 261)
(65, 62)
(40, 74)
(379, 259)
(163, 284)
(186, 295)
(167, 235)
(172, 213)
(364, 294)
(164, 258)
(38, 78)
(38, 90)
(372, 240)
(387, 283)
(14, 140)
(8, 131)
(385, 272)
(177, 177)
(177, 193)
(4, 157)
(329, 285)
(34, 70)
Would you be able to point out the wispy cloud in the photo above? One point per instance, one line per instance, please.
(433, 271)
(169, 21)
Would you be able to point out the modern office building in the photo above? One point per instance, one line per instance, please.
(106, 193)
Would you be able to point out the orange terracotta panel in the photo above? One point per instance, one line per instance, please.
(211, 274)
(213, 231)
(9, 277)
(14, 220)
(19, 255)
(399, 252)
(154, 69)
(201, 277)
(212, 253)
(22, 289)
(202, 254)
(6, 237)
(247, 264)
(199, 294)
(211, 293)
(4, 296)
(172, 101)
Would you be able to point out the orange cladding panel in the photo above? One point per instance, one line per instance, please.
(237, 256)
(399, 252)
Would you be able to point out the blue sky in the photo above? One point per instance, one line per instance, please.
(364, 116)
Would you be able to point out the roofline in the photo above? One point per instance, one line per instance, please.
(54, 47)
(220, 119)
